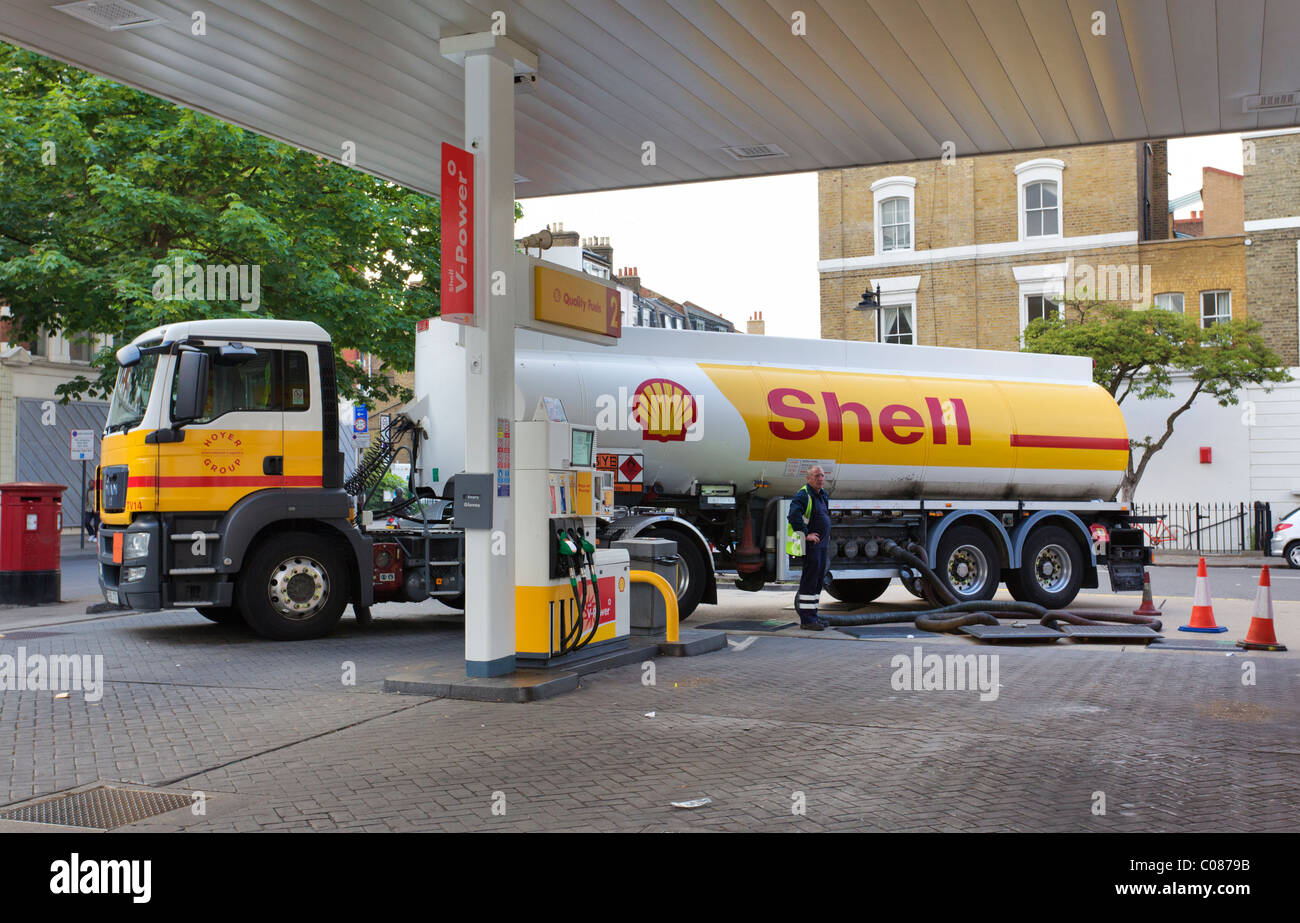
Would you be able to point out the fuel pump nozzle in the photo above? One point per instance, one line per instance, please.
(589, 550)
(568, 551)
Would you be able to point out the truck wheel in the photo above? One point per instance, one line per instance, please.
(294, 587)
(455, 602)
(692, 573)
(222, 615)
(1051, 569)
(861, 590)
(968, 563)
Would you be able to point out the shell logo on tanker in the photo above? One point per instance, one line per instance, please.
(664, 409)
(220, 452)
(864, 418)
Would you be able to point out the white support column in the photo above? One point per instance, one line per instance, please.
(489, 342)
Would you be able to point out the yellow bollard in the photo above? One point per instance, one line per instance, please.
(669, 595)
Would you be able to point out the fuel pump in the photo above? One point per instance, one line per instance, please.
(571, 598)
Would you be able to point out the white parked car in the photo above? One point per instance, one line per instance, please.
(1286, 538)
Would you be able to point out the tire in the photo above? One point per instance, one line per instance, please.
(692, 572)
(1292, 554)
(222, 615)
(968, 563)
(860, 590)
(455, 602)
(1051, 569)
(294, 587)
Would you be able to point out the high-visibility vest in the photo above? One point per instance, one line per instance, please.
(794, 541)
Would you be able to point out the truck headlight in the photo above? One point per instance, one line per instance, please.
(137, 545)
(133, 573)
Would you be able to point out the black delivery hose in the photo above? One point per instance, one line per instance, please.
(956, 614)
(955, 609)
(1051, 619)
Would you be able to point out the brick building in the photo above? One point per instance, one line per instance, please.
(966, 252)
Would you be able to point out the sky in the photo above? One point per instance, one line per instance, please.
(737, 247)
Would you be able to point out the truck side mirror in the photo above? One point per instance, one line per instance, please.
(191, 385)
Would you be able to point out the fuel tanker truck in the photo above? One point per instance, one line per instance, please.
(222, 486)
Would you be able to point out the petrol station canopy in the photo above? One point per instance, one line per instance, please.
(721, 88)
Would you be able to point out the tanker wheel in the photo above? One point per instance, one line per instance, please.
(968, 563)
(860, 590)
(1051, 569)
(294, 587)
(692, 572)
(222, 615)
(455, 602)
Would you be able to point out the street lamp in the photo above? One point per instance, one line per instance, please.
(870, 300)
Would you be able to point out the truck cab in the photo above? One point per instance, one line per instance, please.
(221, 481)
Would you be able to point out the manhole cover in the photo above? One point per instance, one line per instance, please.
(99, 808)
(1110, 633)
(1012, 634)
(750, 625)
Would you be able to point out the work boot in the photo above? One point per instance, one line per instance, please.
(813, 624)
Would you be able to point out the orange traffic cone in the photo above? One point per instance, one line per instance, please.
(1260, 636)
(1202, 608)
(1148, 606)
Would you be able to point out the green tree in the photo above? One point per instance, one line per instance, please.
(102, 184)
(1138, 353)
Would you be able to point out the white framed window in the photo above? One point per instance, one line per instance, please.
(1040, 307)
(896, 324)
(1039, 190)
(1042, 210)
(1216, 308)
(892, 205)
(896, 316)
(1042, 291)
(1170, 301)
(896, 224)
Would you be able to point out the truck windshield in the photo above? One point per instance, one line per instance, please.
(131, 394)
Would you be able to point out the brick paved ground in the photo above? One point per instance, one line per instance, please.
(1175, 741)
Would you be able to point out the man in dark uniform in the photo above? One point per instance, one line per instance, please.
(810, 514)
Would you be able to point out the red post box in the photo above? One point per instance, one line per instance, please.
(31, 526)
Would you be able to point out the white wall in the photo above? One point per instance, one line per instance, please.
(1275, 444)
(1175, 473)
(1255, 447)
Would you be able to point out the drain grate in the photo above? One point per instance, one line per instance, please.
(100, 808)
